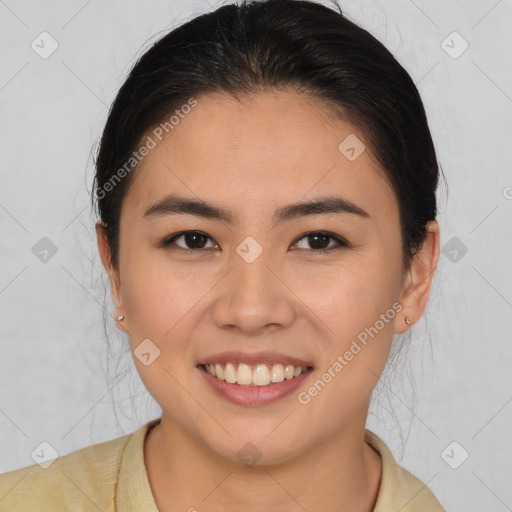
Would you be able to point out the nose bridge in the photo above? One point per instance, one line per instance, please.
(252, 296)
(252, 276)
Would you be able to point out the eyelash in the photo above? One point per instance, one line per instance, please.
(167, 242)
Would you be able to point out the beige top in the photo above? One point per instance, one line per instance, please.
(111, 477)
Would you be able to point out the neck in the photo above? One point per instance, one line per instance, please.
(341, 473)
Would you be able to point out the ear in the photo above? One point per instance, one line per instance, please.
(113, 276)
(419, 278)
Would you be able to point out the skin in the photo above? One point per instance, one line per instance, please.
(253, 156)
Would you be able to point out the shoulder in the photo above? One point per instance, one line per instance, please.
(88, 475)
(414, 494)
(400, 489)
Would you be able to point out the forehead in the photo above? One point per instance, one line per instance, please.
(270, 147)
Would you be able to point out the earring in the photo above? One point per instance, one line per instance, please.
(120, 317)
(407, 321)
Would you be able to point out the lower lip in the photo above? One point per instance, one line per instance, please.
(253, 396)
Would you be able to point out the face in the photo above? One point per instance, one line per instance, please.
(321, 287)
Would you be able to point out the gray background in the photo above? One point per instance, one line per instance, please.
(59, 380)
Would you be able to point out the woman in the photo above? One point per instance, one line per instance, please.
(266, 190)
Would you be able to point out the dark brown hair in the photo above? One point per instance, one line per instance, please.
(268, 45)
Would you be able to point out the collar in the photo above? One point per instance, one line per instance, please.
(399, 489)
(397, 486)
(133, 490)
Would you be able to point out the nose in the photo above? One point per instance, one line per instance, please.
(254, 298)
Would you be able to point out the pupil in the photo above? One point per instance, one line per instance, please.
(317, 236)
(194, 236)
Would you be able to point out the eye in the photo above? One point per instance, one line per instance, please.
(320, 238)
(194, 241)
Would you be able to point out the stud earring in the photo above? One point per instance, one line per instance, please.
(120, 317)
(407, 321)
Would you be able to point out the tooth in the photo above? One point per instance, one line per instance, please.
(219, 372)
(261, 375)
(288, 371)
(244, 375)
(277, 373)
(230, 373)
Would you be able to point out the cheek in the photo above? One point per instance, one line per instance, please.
(358, 309)
(156, 300)
(356, 292)
(358, 303)
(160, 307)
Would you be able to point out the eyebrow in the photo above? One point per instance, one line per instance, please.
(174, 205)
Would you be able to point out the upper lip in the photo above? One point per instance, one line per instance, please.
(253, 358)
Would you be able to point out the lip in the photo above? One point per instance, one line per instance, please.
(265, 357)
(253, 396)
